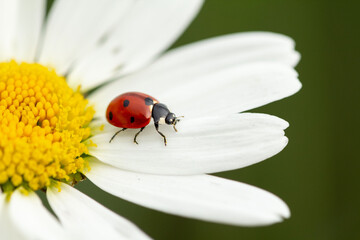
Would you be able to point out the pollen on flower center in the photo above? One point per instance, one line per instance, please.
(43, 125)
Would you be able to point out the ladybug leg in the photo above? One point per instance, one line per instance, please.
(138, 134)
(117, 133)
(157, 129)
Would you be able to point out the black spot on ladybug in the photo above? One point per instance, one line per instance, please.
(110, 116)
(149, 101)
(126, 103)
(132, 119)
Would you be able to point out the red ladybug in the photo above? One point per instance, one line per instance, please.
(135, 109)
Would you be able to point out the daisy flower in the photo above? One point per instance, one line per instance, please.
(57, 76)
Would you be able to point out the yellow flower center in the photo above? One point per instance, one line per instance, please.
(43, 125)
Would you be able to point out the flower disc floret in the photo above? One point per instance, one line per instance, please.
(43, 125)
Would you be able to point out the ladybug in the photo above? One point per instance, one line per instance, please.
(135, 110)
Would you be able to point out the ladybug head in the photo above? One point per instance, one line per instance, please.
(171, 119)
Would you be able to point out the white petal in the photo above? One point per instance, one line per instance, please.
(201, 145)
(8, 19)
(228, 90)
(232, 49)
(6, 227)
(75, 27)
(29, 22)
(20, 26)
(85, 218)
(198, 196)
(147, 30)
(233, 90)
(29, 219)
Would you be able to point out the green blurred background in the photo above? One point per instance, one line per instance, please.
(316, 173)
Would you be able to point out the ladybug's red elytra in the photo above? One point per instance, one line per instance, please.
(135, 110)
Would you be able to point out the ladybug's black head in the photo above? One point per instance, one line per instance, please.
(171, 119)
